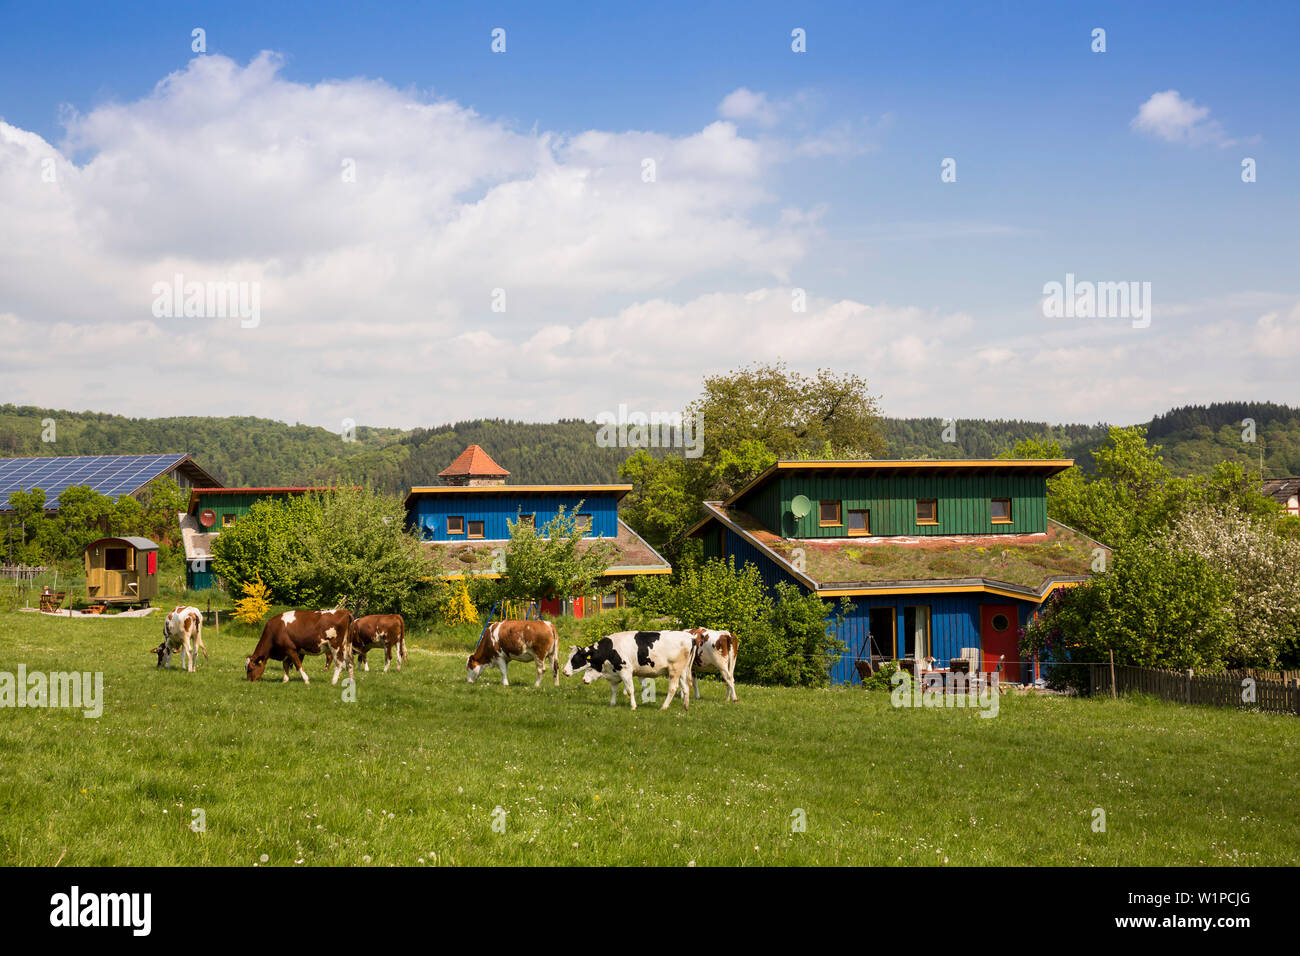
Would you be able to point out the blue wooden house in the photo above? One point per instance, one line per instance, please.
(943, 561)
(468, 518)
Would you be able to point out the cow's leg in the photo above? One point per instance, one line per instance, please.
(685, 689)
(288, 669)
(555, 662)
(503, 664)
(297, 662)
(629, 686)
(388, 655)
(365, 664)
(695, 682)
(198, 640)
(341, 659)
(729, 675)
(541, 670)
(674, 678)
(614, 685)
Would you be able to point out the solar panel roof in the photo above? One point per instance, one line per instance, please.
(108, 474)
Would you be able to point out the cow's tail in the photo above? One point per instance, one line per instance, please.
(555, 651)
(198, 638)
(401, 636)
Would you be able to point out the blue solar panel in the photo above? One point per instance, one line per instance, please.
(108, 474)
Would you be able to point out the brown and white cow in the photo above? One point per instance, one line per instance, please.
(379, 630)
(715, 651)
(286, 637)
(182, 631)
(507, 641)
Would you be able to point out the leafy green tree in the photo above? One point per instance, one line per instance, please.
(557, 562)
(83, 516)
(162, 501)
(1155, 607)
(355, 549)
(266, 545)
(661, 506)
(1262, 568)
(22, 527)
(753, 416)
(1036, 447)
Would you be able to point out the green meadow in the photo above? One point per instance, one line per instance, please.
(413, 772)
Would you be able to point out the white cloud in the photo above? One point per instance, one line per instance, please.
(745, 105)
(1166, 115)
(376, 295)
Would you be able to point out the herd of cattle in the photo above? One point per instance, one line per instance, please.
(618, 658)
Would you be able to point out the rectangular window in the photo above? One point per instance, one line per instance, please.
(916, 633)
(609, 602)
(584, 523)
(528, 521)
(927, 511)
(227, 520)
(475, 529)
(456, 524)
(115, 559)
(829, 512)
(859, 522)
(1001, 510)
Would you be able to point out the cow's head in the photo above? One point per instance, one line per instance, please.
(483, 653)
(254, 668)
(472, 669)
(164, 652)
(579, 661)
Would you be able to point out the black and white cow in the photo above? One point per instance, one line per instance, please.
(620, 657)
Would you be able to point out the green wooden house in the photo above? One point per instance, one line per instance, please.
(943, 561)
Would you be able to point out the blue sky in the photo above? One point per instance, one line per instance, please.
(826, 179)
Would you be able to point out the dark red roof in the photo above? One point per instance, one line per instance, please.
(476, 463)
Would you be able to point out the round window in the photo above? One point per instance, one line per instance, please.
(1000, 622)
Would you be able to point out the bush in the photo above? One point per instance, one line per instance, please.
(254, 605)
(346, 545)
(881, 678)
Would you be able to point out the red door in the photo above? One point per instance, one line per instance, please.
(1000, 635)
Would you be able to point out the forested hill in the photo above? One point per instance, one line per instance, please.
(238, 451)
(259, 451)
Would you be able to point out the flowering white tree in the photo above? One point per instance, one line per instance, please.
(1264, 567)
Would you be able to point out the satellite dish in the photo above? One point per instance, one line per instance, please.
(207, 517)
(800, 506)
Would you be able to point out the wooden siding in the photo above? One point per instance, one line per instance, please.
(429, 514)
(954, 624)
(236, 505)
(954, 618)
(964, 504)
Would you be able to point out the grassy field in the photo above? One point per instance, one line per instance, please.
(412, 772)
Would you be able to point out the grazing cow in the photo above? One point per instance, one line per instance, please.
(286, 637)
(715, 651)
(507, 641)
(182, 631)
(620, 657)
(376, 630)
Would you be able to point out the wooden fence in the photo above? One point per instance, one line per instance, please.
(1273, 692)
(21, 572)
